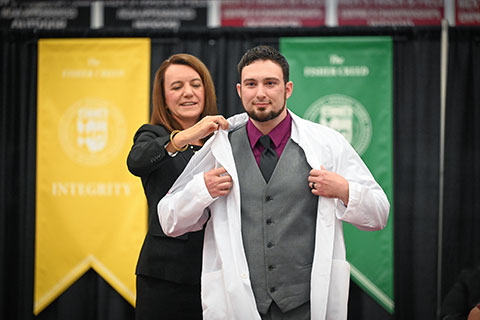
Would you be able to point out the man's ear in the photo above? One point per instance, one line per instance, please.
(288, 89)
(239, 90)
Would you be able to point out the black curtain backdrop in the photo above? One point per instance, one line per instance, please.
(18, 89)
(461, 236)
(416, 161)
(416, 166)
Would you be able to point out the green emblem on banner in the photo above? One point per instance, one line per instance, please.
(345, 83)
(346, 115)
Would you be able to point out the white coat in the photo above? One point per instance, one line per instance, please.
(226, 289)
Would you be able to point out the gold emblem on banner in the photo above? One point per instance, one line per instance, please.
(92, 131)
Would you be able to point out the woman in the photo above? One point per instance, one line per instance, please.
(183, 116)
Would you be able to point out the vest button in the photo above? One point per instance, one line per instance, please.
(271, 267)
(269, 245)
(273, 289)
(268, 198)
(269, 221)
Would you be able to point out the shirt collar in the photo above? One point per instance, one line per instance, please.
(277, 134)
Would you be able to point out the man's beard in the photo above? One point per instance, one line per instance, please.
(264, 117)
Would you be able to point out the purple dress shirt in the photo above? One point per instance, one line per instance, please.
(279, 135)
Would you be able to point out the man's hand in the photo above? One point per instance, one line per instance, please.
(218, 182)
(328, 184)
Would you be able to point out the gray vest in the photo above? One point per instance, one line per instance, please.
(278, 224)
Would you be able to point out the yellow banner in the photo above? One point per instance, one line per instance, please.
(91, 212)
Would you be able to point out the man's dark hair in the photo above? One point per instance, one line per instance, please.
(264, 53)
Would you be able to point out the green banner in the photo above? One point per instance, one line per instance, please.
(346, 84)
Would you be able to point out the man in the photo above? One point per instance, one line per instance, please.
(274, 246)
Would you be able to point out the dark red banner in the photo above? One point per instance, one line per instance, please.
(390, 12)
(467, 12)
(265, 13)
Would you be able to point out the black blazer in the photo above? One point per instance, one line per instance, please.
(173, 259)
(463, 296)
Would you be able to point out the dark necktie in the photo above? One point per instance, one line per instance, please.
(268, 159)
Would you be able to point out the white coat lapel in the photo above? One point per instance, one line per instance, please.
(222, 152)
(221, 148)
(233, 296)
(305, 135)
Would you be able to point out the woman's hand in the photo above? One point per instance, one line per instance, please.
(218, 182)
(198, 131)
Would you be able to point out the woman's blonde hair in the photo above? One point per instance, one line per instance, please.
(160, 113)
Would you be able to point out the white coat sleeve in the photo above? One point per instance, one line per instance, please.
(185, 210)
(368, 207)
